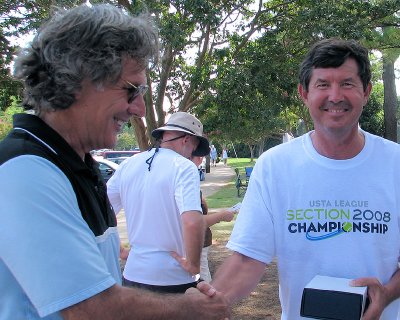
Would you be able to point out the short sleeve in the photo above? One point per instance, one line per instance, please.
(113, 188)
(50, 250)
(187, 193)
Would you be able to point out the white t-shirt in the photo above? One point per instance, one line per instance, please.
(299, 203)
(154, 201)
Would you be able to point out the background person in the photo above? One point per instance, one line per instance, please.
(213, 155)
(289, 208)
(84, 77)
(225, 156)
(159, 191)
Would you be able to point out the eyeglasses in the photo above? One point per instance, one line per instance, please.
(134, 91)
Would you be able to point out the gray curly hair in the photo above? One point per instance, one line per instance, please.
(82, 43)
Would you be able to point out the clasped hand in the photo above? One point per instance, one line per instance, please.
(212, 303)
(376, 294)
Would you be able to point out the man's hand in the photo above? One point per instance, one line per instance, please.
(212, 303)
(206, 288)
(377, 296)
(123, 253)
(227, 216)
(186, 264)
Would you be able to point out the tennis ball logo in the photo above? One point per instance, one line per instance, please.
(347, 226)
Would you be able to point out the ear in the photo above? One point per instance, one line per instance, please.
(303, 93)
(185, 140)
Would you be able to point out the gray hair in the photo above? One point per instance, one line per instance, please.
(83, 43)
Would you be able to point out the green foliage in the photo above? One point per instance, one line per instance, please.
(371, 119)
(254, 97)
(14, 108)
(6, 117)
(241, 111)
(232, 64)
(10, 88)
(307, 21)
(254, 93)
(126, 140)
(17, 19)
(5, 128)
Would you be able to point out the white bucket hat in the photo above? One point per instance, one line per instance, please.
(185, 122)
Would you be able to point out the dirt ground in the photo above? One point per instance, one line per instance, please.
(263, 303)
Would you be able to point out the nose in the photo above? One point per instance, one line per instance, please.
(335, 93)
(137, 107)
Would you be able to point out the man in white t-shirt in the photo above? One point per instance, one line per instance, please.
(326, 203)
(160, 192)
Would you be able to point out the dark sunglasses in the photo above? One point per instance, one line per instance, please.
(134, 91)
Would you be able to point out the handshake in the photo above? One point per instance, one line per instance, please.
(207, 303)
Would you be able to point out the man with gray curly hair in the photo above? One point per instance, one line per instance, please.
(85, 77)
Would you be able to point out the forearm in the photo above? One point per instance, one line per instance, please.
(237, 277)
(121, 303)
(213, 218)
(152, 306)
(392, 288)
(193, 237)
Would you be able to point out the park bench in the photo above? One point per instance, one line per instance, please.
(242, 181)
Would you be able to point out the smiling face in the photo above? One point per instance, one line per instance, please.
(105, 109)
(335, 98)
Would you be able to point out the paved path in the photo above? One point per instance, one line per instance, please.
(218, 177)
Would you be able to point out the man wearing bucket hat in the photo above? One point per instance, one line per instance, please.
(159, 191)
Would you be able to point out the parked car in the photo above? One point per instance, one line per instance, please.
(107, 167)
(118, 160)
(98, 152)
(119, 154)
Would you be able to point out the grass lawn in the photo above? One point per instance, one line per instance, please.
(227, 197)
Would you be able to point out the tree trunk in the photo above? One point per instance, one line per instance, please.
(251, 147)
(261, 144)
(140, 133)
(390, 99)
